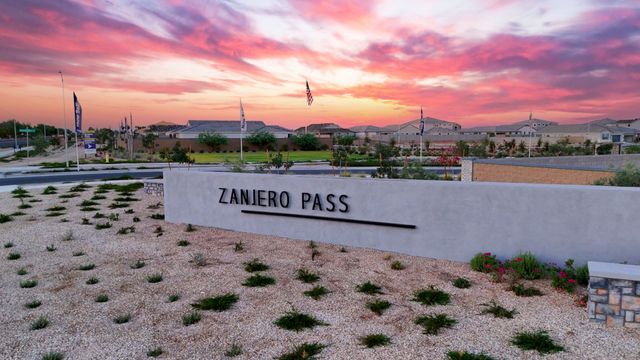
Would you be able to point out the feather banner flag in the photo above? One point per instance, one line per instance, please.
(309, 96)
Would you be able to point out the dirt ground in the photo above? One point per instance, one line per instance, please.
(81, 328)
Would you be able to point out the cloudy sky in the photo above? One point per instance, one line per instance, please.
(368, 62)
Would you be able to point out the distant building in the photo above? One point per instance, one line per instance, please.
(369, 131)
(228, 128)
(324, 130)
(577, 133)
(630, 123)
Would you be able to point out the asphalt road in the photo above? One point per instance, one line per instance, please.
(74, 176)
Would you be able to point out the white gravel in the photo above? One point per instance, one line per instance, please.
(83, 329)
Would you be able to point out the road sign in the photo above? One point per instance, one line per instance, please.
(27, 130)
(89, 143)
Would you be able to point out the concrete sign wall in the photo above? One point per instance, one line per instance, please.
(438, 219)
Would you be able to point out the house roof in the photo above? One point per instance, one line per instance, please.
(228, 126)
(366, 128)
(416, 123)
(323, 128)
(494, 129)
(574, 128)
(627, 121)
(534, 120)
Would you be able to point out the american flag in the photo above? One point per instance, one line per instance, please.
(309, 96)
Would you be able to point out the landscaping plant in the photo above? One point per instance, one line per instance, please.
(536, 340)
(432, 324)
(316, 292)
(375, 340)
(306, 351)
(483, 262)
(297, 321)
(431, 296)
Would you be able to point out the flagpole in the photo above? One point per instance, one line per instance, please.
(530, 133)
(241, 132)
(64, 114)
(77, 152)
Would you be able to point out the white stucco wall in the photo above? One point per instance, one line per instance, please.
(453, 220)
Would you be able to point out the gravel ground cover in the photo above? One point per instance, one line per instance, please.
(212, 264)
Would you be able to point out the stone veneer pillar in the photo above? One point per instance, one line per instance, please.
(614, 294)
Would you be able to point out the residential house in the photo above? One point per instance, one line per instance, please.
(228, 128)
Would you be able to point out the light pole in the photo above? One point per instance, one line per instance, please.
(64, 114)
(15, 136)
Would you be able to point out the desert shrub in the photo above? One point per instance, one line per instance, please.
(431, 296)
(121, 319)
(191, 318)
(86, 267)
(8, 244)
(13, 256)
(233, 351)
(155, 352)
(102, 298)
(397, 265)
(183, 243)
(375, 340)
(526, 266)
(173, 297)
(303, 351)
(154, 278)
(297, 321)
(53, 356)
(464, 355)
(16, 213)
(99, 215)
(498, 311)
(536, 340)
(77, 253)
(92, 280)
(87, 203)
(54, 214)
(118, 205)
(198, 259)
(22, 271)
(126, 230)
(26, 284)
(125, 199)
(307, 276)
(157, 216)
(50, 190)
(259, 281)
(521, 290)
(67, 236)
(136, 219)
(378, 306)
(462, 283)
(432, 324)
(51, 248)
(369, 288)
(483, 262)
(56, 208)
(33, 304)
(88, 208)
(24, 206)
(68, 196)
(98, 197)
(102, 226)
(238, 247)
(316, 292)
(39, 323)
(129, 211)
(5, 218)
(582, 275)
(255, 265)
(189, 228)
(218, 303)
(114, 217)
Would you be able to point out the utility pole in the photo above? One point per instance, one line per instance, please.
(64, 114)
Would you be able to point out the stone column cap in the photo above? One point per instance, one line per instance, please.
(614, 271)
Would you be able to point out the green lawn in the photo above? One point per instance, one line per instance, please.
(297, 156)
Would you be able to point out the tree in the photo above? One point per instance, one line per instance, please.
(262, 139)
(149, 141)
(179, 154)
(605, 149)
(346, 139)
(462, 148)
(213, 140)
(40, 144)
(627, 176)
(105, 137)
(306, 141)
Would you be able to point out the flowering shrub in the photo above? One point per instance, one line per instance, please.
(484, 262)
(526, 266)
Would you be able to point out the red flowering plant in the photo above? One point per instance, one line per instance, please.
(564, 279)
(484, 262)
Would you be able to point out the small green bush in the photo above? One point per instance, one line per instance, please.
(51, 248)
(33, 304)
(92, 280)
(375, 340)
(431, 296)
(102, 298)
(397, 265)
(157, 216)
(39, 323)
(98, 197)
(462, 283)
(191, 318)
(218, 303)
(464, 355)
(121, 319)
(316, 292)
(498, 311)
(13, 256)
(5, 218)
(432, 324)
(536, 340)
(190, 228)
(378, 306)
(26, 284)
(56, 208)
(8, 244)
(369, 288)
(155, 352)
(87, 267)
(296, 321)
(118, 205)
(154, 278)
(77, 253)
(521, 290)
(53, 356)
(22, 271)
(526, 266)
(173, 297)
(102, 226)
(483, 262)
(49, 190)
(306, 351)
(233, 351)
(137, 265)
(183, 243)
(307, 276)
(259, 281)
(255, 265)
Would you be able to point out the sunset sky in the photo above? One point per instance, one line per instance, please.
(367, 62)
